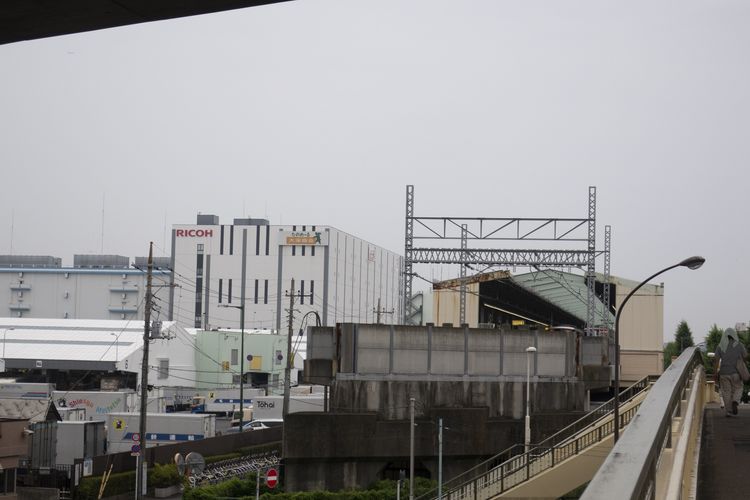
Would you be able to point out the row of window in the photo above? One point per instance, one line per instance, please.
(228, 242)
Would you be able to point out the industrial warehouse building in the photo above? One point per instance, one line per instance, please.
(340, 277)
(549, 299)
(95, 287)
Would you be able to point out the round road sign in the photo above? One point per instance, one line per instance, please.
(272, 478)
(136, 437)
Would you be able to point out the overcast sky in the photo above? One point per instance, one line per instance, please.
(321, 111)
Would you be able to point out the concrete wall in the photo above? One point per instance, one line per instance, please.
(382, 350)
(353, 450)
(390, 399)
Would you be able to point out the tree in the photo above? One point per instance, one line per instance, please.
(683, 337)
(713, 338)
(712, 342)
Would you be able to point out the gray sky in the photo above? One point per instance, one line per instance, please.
(320, 112)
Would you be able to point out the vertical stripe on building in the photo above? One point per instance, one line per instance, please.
(312, 248)
(198, 286)
(256, 291)
(231, 240)
(257, 242)
(312, 290)
(265, 292)
(268, 238)
(302, 291)
(229, 291)
(221, 241)
(221, 288)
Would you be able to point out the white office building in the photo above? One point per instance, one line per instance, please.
(340, 277)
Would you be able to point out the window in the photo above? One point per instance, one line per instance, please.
(163, 369)
(235, 356)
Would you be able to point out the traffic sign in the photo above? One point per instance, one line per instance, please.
(136, 437)
(272, 478)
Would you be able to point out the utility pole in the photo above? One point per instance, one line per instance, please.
(440, 458)
(288, 369)
(411, 449)
(144, 376)
(380, 311)
(242, 329)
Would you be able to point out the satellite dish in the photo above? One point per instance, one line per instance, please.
(194, 463)
(180, 463)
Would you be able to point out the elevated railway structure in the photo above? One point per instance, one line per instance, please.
(677, 443)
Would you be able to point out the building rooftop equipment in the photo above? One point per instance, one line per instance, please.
(30, 261)
(207, 220)
(101, 261)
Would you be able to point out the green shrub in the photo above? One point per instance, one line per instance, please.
(163, 476)
(122, 482)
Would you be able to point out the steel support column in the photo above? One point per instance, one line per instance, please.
(591, 266)
(408, 245)
(462, 307)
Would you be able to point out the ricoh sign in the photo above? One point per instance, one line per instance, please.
(194, 233)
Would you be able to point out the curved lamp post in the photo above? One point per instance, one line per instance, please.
(691, 263)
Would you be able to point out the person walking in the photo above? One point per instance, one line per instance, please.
(728, 353)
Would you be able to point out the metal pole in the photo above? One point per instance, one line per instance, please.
(144, 373)
(691, 263)
(257, 486)
(527, 426)
(440, 459)
(288, 369)
(242, 329)
(411, 449)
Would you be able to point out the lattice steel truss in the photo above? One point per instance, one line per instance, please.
(605, 293)
(501, 229)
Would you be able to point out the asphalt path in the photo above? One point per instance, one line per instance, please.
(724, 467)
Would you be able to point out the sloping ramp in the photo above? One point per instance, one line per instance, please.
(561, 462)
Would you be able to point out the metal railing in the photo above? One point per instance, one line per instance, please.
(514, 465)
(629, 471)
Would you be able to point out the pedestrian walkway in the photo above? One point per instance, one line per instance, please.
(725, 454)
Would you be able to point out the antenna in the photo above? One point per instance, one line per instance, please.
(12, 223)
(102, 249)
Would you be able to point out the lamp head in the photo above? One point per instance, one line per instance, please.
(693, 262)
(531, 349)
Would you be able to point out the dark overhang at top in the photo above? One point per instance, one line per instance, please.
(31, 19)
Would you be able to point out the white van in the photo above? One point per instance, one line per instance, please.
(247, 416)
(267, 423)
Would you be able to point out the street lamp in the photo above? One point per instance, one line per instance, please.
(242, 359)
(527, 430)
(691, 263)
